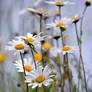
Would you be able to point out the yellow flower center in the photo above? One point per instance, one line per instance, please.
(41, 11)
(59, 3)
(2, 57)
(61, 24)
(37, 57)
(28, 68)
(47, 46)
(19, 46)
(40, 78)
(74, 18)
(30, 40)
(66, 48)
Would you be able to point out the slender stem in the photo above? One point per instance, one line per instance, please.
(40, 23)
(60, 64)
(81, 33)
(81, 22)
(24, 70)
(60, 12)
(81, 59)
(62, 37)
(33, 59)
(63, 81)
(22, 63)
(69, 77)
(79, 68)
(44, 88)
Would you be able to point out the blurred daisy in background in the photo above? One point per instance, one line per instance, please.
(2, 57)
(33, 6)
(39, 77)
(76, 18)
(16, 46)
(28, 65)
(64, 22)
(38, 11)
(60, 3)
(54, 51)
(69, 49)
(37, 57)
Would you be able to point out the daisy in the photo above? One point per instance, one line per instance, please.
(37, 57)
(34, 40)
(63, 23)
(38, 11)
(76, 18)
(28, 65)
(23, 11)
(2, 57)
(59, 3)
(39, 77)
(68, 49)
(16, 46)
(33, 6)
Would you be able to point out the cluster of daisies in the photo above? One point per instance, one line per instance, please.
(35, 73)
(33, 48)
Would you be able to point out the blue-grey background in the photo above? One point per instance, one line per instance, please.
(11, 23)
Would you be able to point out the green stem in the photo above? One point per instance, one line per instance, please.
(63, 81)
(33, 59)
(24, 70)
(40, 23)
(69, 77)
(81, 59)
(60, 12)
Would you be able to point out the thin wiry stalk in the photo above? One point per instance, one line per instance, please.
(79, 68)
(33, 59)
(24, 70)
(62, 85)
(81, 22)
(59, 65)
(81, 59)
(60, 12)
(69, 77)
(81, 33)
(40, 23)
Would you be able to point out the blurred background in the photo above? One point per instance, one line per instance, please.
(12, 24)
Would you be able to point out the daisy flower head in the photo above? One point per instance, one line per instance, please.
(47, 46)
(69, 49)
(37, 57)
(35, 40)
(28, 65)
(39, 77)
(88, 3)
(2, 57)
(63, 23)
(56, 36)
(37, 11)
(16, 46)
(75, 19)
(60, 3)
(54, 51)
(23, 11)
